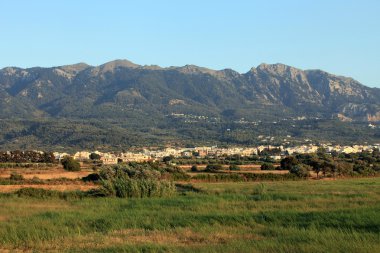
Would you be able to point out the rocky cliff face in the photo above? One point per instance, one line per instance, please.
(120, 89)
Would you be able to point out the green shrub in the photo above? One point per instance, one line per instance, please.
(94, 156)
(45, 194)
(138, 188)
(194, 168)
(234, 167)
(93, 177)
(267, 166)
(288, 162)
(179, 176)
(16, 177)
(138, 182)
(243, 177)
(301, 170)
(70, 164)
(213, 168)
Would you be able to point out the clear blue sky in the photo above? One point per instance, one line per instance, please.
(339, 36)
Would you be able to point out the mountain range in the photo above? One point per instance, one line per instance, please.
(122, 89)
(121, 104)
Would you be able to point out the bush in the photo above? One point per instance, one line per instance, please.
(288, 162)
(43, 194)
(179, 176)
(244, 177)
(94, 156)
(16, 177)
(138, 188)
(93, 177)
(194, 168)
(70, 164)
(234, 167)
(36, 193)
(139, 182)
(213, 168)
(267, 166)
(300, 170)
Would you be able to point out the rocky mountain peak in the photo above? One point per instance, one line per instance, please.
(193, 69)
(75, 68)
(112, 65)
(279, 69)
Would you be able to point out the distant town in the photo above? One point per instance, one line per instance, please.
(274, 152)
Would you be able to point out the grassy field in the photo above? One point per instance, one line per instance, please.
(288, 216)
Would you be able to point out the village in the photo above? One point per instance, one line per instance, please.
(275, 152)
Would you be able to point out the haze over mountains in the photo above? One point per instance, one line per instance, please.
(123, 90)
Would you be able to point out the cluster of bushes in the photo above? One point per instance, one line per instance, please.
(14, 178)
(70, 164)
(214, 168)
(165, 171)
(331, 165)
(46, 194)
(268, 166)
(134, 181)
(18, 179)
(18, 156)
(224, 159)
(244, 177)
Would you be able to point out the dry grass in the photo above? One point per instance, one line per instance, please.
(44, 174)
(180, 237)
(176, 237)
(59, 187)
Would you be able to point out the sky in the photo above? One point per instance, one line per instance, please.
(338, 36)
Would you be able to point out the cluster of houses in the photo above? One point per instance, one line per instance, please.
(106, 158)
(214, 151)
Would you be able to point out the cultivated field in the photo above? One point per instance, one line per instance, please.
(286, 216)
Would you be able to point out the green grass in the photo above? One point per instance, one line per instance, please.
(286, 216)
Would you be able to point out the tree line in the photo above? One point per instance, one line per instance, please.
(366, 163)
(18, 156)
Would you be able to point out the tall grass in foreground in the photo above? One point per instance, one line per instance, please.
(137, 188)
(130, 182)
(299, 216)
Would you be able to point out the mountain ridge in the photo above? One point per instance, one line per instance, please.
(121, 88)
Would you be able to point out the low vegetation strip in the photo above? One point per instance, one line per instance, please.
(7, 189)
(243, 177)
